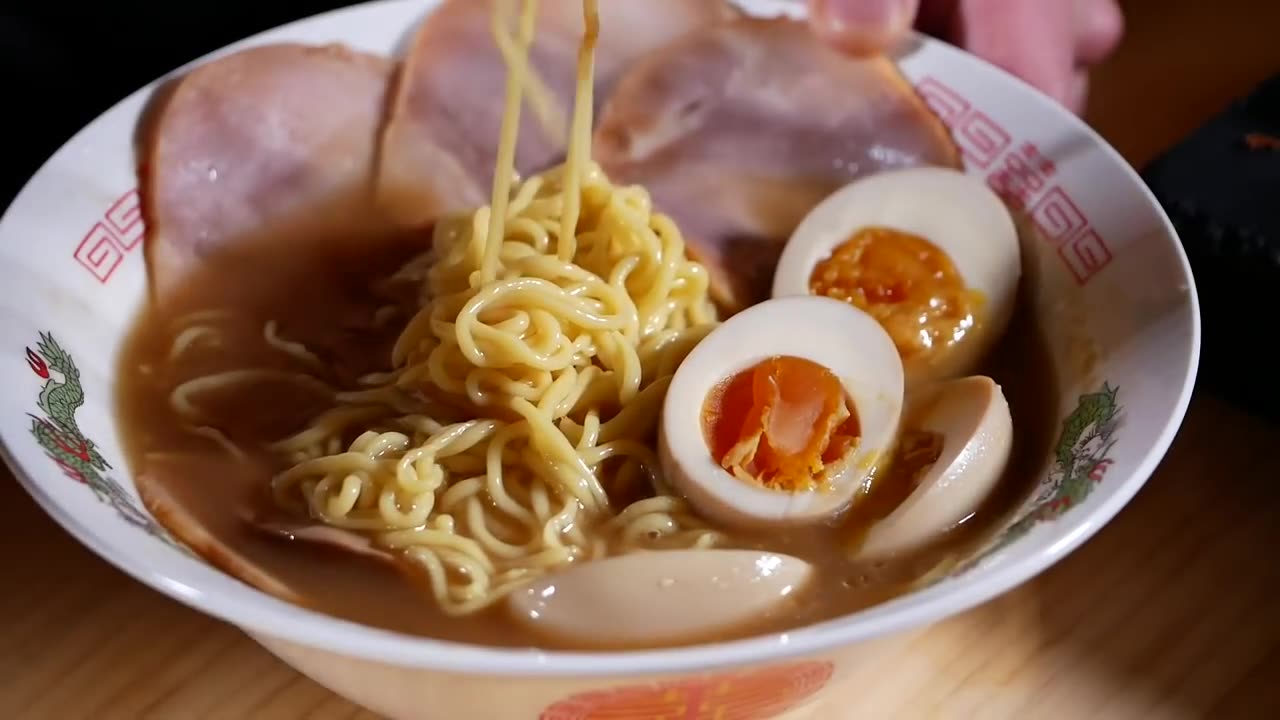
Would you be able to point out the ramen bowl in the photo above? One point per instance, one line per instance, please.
(1109, 285)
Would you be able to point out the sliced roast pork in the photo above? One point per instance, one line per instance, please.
(278, 135)
(739, 129)
(451, 92)
(323, 536)
(201, 513)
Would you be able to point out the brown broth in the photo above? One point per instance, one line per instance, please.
(320, 295)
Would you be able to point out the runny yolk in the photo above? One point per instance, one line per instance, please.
(906, 283)
(780, 423)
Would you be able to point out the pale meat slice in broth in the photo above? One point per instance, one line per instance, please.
(173, 497)
(320, 535)
(739, 130)
(279, 138)
(445, 121)
(208, 502)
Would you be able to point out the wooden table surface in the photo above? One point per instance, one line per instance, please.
(1169, 612)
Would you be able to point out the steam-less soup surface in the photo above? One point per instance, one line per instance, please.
(359, 387)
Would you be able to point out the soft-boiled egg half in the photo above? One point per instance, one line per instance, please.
(930, 252)
(955, 441)
(673, 596)
(781, 414)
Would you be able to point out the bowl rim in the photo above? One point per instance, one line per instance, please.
(261, 614)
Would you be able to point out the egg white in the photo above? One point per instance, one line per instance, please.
(833, 334)
(956, 212)
(972, 416)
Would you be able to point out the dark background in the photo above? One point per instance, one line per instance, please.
(63, 64)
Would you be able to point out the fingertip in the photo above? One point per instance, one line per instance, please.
(1100, 27)
(1078, 95)
(862, 27)
(1032, 40)
(859, 42)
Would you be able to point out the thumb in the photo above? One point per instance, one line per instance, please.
(862, 27)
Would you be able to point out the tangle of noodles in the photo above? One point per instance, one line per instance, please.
(524, 394)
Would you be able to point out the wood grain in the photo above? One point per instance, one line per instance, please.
(1167, 613)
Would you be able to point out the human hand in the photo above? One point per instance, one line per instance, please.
(1049, 43)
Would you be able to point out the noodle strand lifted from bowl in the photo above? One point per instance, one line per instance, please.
(524, 394)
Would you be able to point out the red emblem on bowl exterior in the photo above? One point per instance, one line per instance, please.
(752, 695)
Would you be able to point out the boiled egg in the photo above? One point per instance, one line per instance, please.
(780, 415)
(931, 252)
(967, 423)
(666, 597)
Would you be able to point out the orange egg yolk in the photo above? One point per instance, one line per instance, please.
(780, 423)
(906, 283)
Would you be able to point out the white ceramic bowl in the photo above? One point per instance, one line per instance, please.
(1111, 277)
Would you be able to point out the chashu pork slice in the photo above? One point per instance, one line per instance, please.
(447, 113)
(738, 130)
(269, 139)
